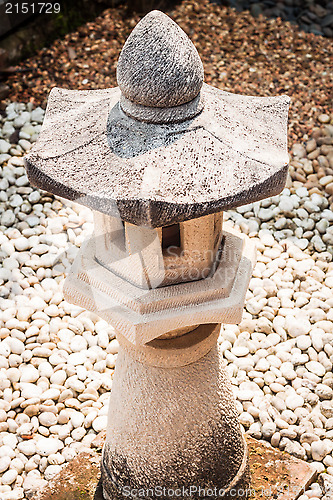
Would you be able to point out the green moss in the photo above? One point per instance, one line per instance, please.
(73, 14)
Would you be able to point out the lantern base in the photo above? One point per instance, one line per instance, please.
(173, 429)
(238, 488)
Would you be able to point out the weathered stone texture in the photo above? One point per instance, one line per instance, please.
(159, 65)
(190, 438)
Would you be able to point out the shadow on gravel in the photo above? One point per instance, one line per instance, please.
(310, 15)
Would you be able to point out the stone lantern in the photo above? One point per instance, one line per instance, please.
(158, 159)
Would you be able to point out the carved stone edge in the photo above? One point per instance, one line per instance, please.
(142, 328)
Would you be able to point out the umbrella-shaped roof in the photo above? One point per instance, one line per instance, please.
(163, 146)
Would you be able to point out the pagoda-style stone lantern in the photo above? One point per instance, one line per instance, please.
(158, 159)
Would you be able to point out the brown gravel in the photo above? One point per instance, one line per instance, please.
(242, 54)
(312, 161)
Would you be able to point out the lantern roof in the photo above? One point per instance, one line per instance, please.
(163, 146)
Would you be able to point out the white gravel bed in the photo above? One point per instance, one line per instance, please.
(57, 360)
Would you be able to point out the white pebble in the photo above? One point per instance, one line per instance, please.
(4, 463)
(29, 374)
(316, 368)
(9, 477)
(47, 446)
(99, 424)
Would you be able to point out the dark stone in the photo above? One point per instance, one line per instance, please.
(311, 15)
(305, 19)
(327, 21)
(315, 29)
(4, 91)
(14, 138)
(328, 31)
(256, 9)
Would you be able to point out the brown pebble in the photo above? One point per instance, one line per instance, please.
(311, 145)
(321, 173)
(295, 164)
(323, 118)
(63, 417)
(313, 178)
(330, 160)
(323, 162)
(314, 154)
(52, 409)
(31, 410)
(325, 140)
(299, 177)
(310, 184)
(308, 168)
(3, 426)
(315, 190)
(326, 149)
(316, 133)
(329, 188)
(290, 182)
(315, 165)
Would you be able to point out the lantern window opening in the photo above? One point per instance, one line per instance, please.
(171, 238)
(121, 236)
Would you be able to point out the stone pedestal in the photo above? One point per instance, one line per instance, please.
(173, 427)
